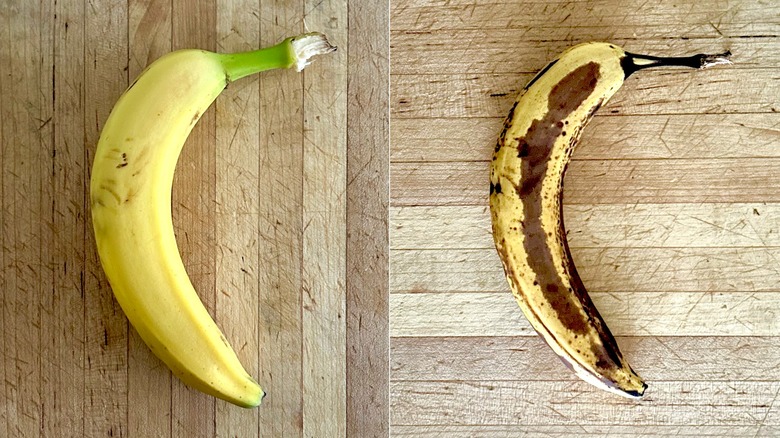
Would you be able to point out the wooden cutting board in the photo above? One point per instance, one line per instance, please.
(672, 205)
(280, 208)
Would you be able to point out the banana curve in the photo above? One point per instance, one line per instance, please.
(130, 191)
(551, 289)
(526, 199)
(132, 181)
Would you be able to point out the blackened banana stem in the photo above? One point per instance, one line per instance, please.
(633, 62)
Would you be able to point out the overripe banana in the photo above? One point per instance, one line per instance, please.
(526, 189)
(130, 191)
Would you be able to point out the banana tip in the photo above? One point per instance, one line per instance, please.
(637, 393)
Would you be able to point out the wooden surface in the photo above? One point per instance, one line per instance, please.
(672, 204)
(280, 207)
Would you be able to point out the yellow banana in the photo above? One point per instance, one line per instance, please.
(130, 191)
(526, 189)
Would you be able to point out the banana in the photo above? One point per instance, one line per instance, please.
(130, 193)
(526, 198)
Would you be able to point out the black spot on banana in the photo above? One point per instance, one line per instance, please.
(526, 198)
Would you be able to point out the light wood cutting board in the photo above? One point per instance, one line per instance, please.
(672, 205)
(280, 208)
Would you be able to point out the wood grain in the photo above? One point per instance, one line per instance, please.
(670, 207)
(528, 358)
(237, 136)
(262, 207)
(452, 51)
(561, 19)
(325, 230)
(664, 91)
(626, 313)
(62, 356)
(280, 179)
(613, 430)
(577, 403)
(24, 197)
(367, 194)
(105, 78)
(695, 180)
(598, 226)
(694, 136)
(602, 269)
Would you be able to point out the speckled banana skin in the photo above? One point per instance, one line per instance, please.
(526, 194)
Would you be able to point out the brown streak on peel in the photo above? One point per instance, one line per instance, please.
(609, 351)
(535, 150)
(133, 84)
(507, 122)
(504, 256)
(112, 192)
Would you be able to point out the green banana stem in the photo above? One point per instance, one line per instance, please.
(294, 51)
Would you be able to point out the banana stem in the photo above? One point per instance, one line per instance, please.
(295, 51)
(633, 62)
